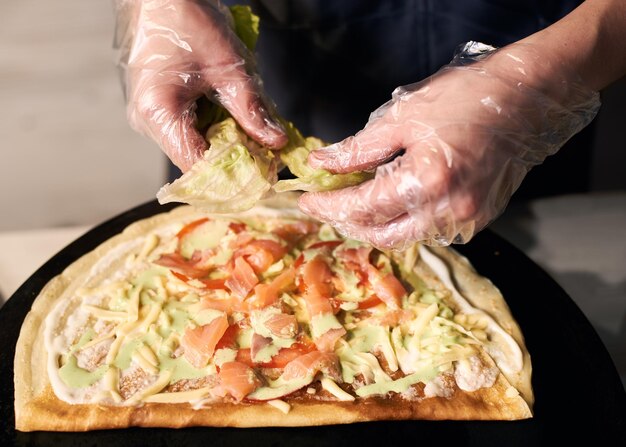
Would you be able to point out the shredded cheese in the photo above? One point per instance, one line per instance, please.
(105, 314)
(96, 340)
(280, 405)
(133, 303)
(149, 245)
(143, 363)
(334, 389)
(158, 385)
(179, 397)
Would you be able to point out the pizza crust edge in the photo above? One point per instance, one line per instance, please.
(37, 408)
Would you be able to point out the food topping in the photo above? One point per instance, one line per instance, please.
(260, 309)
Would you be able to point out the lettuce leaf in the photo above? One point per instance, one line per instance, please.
(235, 171)
(230, 177)
(294, 156)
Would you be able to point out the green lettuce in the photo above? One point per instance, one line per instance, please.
(236, 172)
(294, 156)
(229, 178)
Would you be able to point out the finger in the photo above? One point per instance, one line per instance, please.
(398, 233)
(373, 202)
(242, 96)
(183, 143)
(407, 229)
(370, 147)
(166, 113)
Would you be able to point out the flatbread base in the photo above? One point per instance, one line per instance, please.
(38, 408)
(47, 412)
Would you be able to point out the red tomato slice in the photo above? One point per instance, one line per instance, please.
(213, 284)
(237, 227)
(244, 356)
(330, 244)
(189, 228)
(180, 276)
(370, 302)
(229, 339)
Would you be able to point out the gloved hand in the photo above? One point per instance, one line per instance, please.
(174, 52)
(470, 133)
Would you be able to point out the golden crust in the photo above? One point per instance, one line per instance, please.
(47, 412)
(37, 408)
(484, 295)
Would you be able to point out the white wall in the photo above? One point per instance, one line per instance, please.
(67, 154)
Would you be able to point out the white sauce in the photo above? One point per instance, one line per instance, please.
(509, 362)
(438, 388)
(470, 374)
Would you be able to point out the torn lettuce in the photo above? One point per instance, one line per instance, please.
(235, 171)
(230, 178)
(294, 156)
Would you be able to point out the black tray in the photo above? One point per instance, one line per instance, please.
(578, 392)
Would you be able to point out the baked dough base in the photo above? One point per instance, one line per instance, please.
(38, 408)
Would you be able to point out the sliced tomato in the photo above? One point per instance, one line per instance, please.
(180, 276)
(237, 227)
(299, 261)
(325, 244)
(286, 355)
(190, 227)
(213, 284)
(229, 339)
(244, 356)
(372, 301)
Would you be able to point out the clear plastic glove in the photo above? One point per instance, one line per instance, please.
(470, 133)
(173, 52)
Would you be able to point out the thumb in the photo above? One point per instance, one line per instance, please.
(366, 150)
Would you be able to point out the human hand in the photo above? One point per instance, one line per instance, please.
(470, 133)
(182, 50)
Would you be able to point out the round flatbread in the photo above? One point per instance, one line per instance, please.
(156, 326)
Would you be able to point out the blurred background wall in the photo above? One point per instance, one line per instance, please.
(68, 156)
(69, 159)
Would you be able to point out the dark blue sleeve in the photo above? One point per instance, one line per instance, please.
(328, 64)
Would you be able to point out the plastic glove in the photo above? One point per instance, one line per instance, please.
(176, 51)
(470, 134)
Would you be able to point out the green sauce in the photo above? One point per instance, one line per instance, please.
(400, 385)
(76, 377)
(320, 324)
(207, 235)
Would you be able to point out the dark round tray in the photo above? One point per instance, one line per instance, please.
(578, 392)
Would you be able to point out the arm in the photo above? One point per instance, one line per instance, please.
(471, 132)
(173, 52)
(591, 40)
